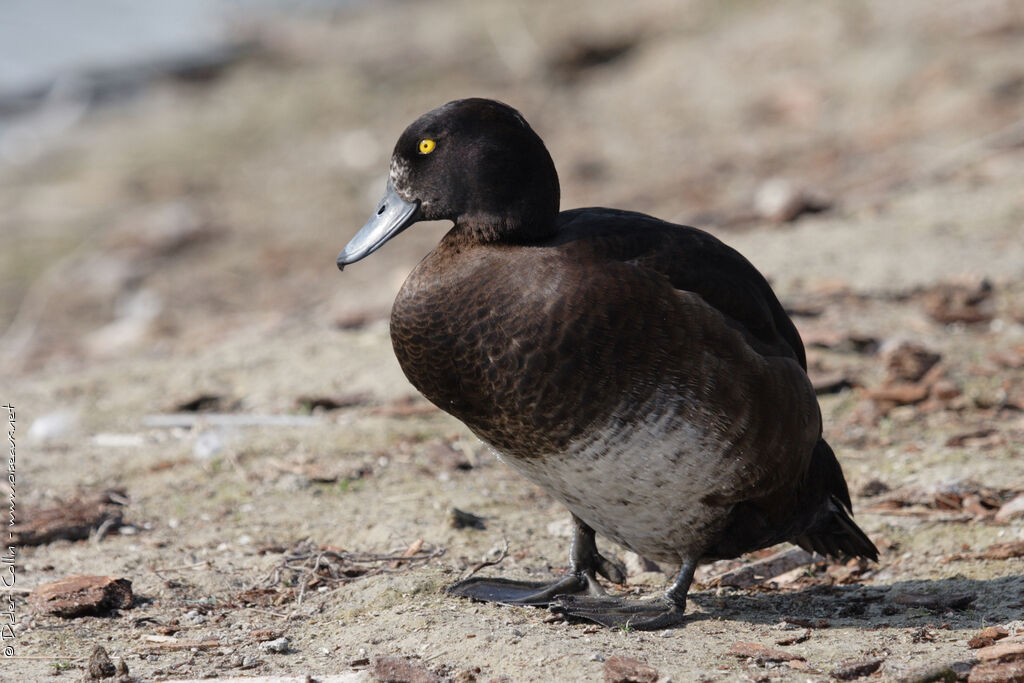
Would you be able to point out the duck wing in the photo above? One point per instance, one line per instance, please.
(780, 495)
(695, 261)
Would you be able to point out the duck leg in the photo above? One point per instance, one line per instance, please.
(585, 562)
(639, 615)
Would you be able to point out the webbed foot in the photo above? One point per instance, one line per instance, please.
(638, 615)
(586, 563)
(534, 593)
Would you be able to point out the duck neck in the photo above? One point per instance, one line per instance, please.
(519, 228)
(520, 205)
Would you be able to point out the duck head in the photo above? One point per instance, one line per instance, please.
(475, 162)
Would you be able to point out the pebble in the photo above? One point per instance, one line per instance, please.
(1014, 508)
(627, 670)
(402, 669)
(52, 426)
(208, 444)
(100, 665)
(779, 200)
(195, 617)
(277, 646)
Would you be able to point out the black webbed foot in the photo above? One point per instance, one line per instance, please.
(586, 563)
(535, 593)
(579, 595)
(638, 615)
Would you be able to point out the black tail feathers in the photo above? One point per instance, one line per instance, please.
(837, 535)
(834, 533)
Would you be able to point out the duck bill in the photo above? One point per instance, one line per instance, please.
(393, 215)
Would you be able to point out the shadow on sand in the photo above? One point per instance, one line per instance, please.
(960, 602)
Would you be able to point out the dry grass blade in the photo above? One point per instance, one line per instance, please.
(487, 563)
(308, 565)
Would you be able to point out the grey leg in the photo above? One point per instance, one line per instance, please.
(585, 563)
(641, 615)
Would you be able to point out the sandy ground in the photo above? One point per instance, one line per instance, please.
(182, 245)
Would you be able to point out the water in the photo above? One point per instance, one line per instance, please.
(59, 57)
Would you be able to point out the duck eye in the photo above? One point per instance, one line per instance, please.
(427, 146)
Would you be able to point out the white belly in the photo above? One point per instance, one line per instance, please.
(640, 485)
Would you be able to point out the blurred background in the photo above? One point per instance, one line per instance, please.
(174, 172)
(177, 179)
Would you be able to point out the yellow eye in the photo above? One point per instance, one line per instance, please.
(427, 146)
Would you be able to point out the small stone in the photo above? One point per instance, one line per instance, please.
(207, 445)
(100, 665)
(1001, 651)
(80, 595)
(195, 617)
(848, 671)
(627, 670)
(987, 636)
(1014, 508)
(276, 646)
(874, 487)
(960, 303)
(52, 426)
(780, 201)
(265, 634)
(760, 653)
(401, 670)
(997, 672)
(908, 361)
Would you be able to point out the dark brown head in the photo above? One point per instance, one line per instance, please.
(475, 162)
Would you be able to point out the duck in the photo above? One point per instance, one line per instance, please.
(642, 373)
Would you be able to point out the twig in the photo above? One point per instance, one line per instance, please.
(180, 567)
(488, 563)
(102, 529)
(279, 615)
(340, 566)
